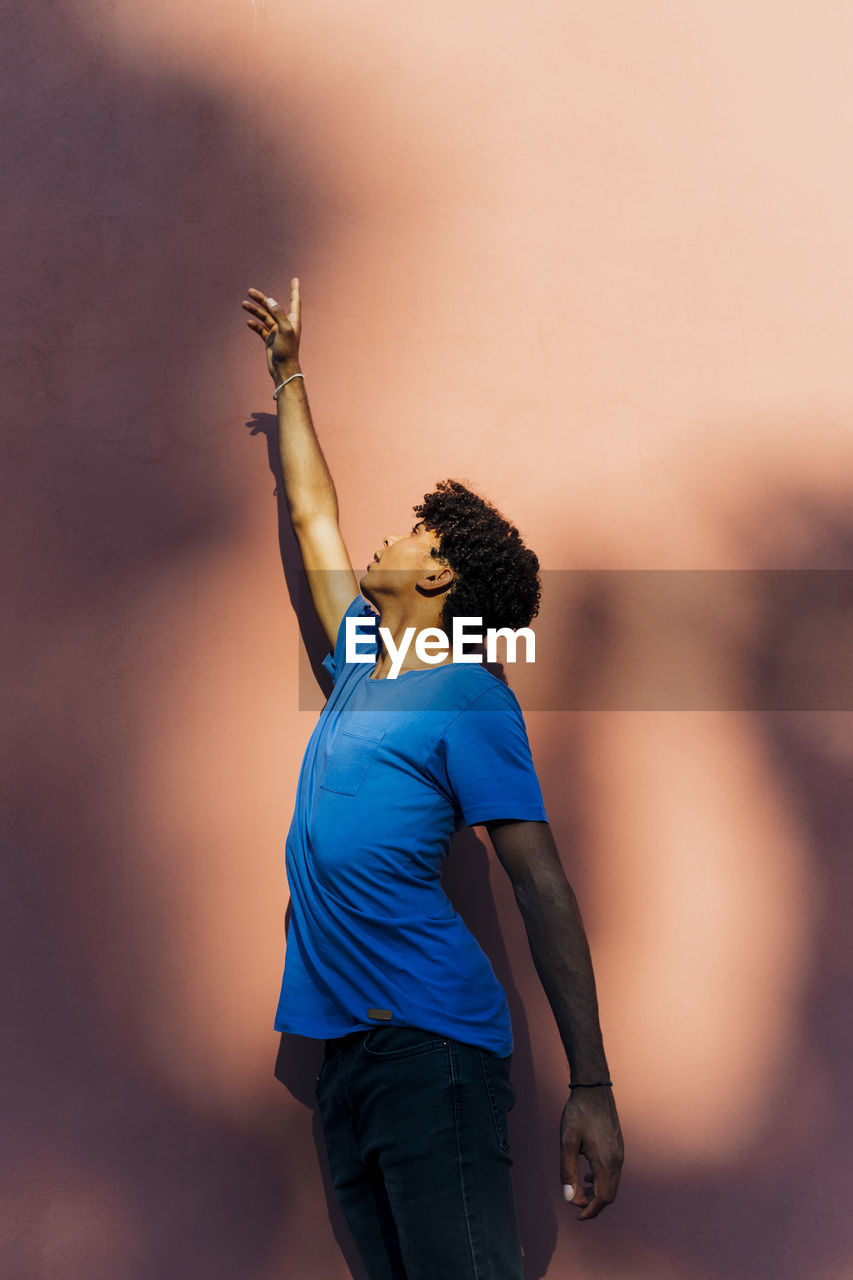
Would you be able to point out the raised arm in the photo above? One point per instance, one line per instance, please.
(308, 486)
(558, 945)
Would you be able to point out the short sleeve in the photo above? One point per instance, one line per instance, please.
(483, 757)
(335, 662)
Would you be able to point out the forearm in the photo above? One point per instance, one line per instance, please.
(308, 484)
(560, 952)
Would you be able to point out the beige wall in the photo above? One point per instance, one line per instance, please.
(596, 260)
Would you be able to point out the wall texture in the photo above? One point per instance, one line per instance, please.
(593, 258)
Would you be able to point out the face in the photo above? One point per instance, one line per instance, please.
(408, 555)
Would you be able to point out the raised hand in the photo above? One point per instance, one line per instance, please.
(279, 329)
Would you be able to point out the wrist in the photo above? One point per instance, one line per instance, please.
(588, 1066)
(281, 369)
(290, 381)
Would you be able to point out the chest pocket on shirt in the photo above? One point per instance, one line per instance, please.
(350, 758)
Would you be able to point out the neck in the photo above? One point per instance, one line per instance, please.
(398, 630)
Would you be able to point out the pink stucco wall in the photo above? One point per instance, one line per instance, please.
(594, 258)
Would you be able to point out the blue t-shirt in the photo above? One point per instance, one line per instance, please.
(392, 769)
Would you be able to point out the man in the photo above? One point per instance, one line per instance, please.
(415, 1087)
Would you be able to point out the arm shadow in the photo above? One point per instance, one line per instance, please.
(314, 640)
(466, 878)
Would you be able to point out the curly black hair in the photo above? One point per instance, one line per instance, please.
(496, 576)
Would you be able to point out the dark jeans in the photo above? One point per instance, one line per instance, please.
(416, 1135)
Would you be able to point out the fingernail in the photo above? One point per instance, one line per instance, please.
(568, 1191)
(271, 302)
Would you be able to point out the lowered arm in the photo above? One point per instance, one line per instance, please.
(560, 951)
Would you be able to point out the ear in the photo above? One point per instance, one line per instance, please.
(440, 577)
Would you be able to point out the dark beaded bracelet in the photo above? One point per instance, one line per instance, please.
(599, 1084)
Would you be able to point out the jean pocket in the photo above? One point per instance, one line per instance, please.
(501, 1093)
(401, 1042)
(349, 757)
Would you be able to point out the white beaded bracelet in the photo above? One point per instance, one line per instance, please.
(284, 384)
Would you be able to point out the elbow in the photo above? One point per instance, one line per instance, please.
(529, 888)
(542, 891)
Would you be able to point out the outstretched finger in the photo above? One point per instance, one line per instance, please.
(261, 313)
(295, 313)
(263, 303)
(262, 329)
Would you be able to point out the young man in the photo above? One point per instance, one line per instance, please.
(415, 1087)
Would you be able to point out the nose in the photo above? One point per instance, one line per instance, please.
(392, 538)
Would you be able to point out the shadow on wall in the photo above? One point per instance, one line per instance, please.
(313, 636)
(467, 880)
(755, 1215)
(135, 208)
(128, 228)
